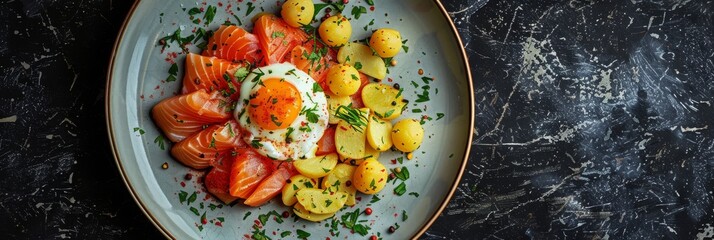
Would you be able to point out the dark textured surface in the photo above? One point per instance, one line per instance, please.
(594, 120)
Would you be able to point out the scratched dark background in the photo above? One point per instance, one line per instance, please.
(594, 121)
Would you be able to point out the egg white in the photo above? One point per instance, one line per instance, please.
(305, 135)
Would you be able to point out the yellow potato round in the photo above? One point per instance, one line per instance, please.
(386, 42)
(335, 31)
(334, 102)
(384, 101)
(370, 177)
(379, 134)
(316, 167)
(343, 80)
(296, 183)
(407, 135)
(321, 201)
(297, 13)
(303, 213)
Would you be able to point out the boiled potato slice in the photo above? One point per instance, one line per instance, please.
(407, 135)
(370, 177)
(369, 153)
(384, 101)
(334, 102)
(303, 213)
(316, 167)
(362, 58)
(349, 141)
(340, 179)
(321, 201)
(379, 134)
(296, 183)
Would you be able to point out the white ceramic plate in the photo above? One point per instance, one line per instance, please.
(135, 85)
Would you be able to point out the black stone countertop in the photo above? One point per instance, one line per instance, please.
(594, 120)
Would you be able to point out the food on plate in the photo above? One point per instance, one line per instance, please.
(281, 112)
(291, 109)
(297, 12)
(340, 179)
(182, 116)
(212, 73)
(343, 80)
(362, 57)
(303, 213)
(276, 38)
(333, 103)
(321, 201)
(335, 31)
(233, 43)
(350, 136)
(385, 101)
(370, 177)
(316, 167)
(386, 42)
(201, 150)
(294, 184)
(379, 133)
(407, 135)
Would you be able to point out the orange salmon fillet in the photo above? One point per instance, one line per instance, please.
(181, 116)
(202, 149)
(233, 43)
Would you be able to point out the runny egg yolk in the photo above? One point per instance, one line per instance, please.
(275, 105)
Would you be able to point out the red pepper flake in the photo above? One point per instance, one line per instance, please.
(188, 176)
(394, 161)
(390, 79)
(204, 221)
(358, 198)
(183, 184)
(219, 223)
(345, 1)
(368, 211)
(142, 96)
(371, 8)
(286, 214)
(373, 237)
(257, 223)
(220, 4)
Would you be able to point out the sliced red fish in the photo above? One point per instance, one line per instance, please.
(249, 169)
(212, 73)
(181, 116)
(269, 188)
(233, 43)
(276, 38)
(218, 178)
(202, 149)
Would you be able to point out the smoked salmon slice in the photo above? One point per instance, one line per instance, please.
(269, 188)
(317, 69)
(202, 149)
(212, 73)
(233, 43)
(249, 169)
(217, 180)
(326, 144)
(181, 116)
(276, 38)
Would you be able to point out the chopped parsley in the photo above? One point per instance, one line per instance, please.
(316, 88)
(302, 234)
(256, 143)
(182, 196)
(358, 65)
(404, 46)
(160, 141)
(349, 221)
(173, 71)
(194, 11)
(401, 189)
(241, 73)
(210, 14)
(374, 199)
(141, 131)
(194, 211)
(439, 116)
(357, 11)
(278, 34)
(310, 114)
